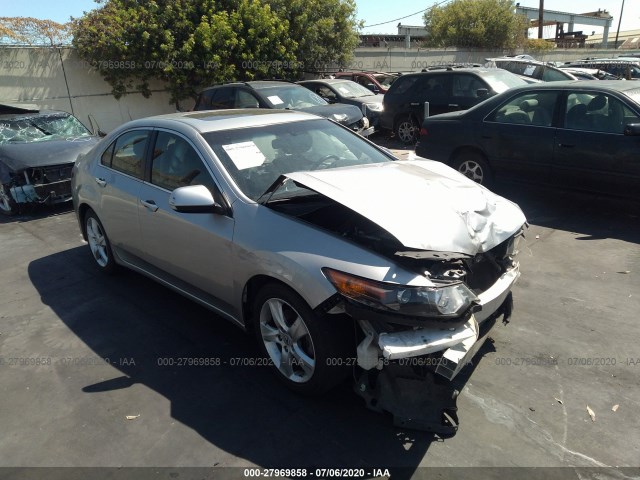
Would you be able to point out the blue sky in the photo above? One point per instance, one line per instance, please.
(371, 11)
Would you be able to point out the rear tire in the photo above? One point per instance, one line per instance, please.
(474, 166)
(407, 130)
(99, 243)
(8, 205)
(308, 353)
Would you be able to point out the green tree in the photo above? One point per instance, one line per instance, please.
(475, 23)
(325, 30)
(187, 43)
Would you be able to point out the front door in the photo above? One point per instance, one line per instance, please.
(196, 248)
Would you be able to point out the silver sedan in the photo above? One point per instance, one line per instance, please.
(337, 255)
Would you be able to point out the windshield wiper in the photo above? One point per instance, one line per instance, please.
(40, 128)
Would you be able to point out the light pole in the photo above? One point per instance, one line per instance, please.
(541, 18)
(619, 21)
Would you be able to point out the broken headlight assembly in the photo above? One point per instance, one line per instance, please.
(445, 299)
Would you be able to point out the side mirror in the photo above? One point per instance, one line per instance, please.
(101, 134)
(373, 88)
(633, 129)
(194, 199)
(482, 92)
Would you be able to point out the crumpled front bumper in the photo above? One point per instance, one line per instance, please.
(457, 345)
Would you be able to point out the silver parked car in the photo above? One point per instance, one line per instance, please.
(289, 224)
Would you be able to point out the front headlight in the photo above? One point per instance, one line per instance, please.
(445, 300)
(374, 107)
(339, 117)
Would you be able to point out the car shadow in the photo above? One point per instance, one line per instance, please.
(145, 330)
(28, 213)
(591, 216)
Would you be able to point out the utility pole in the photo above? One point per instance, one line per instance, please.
(619, 21)
(541, 18)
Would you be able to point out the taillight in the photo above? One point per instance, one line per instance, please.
(423, 132)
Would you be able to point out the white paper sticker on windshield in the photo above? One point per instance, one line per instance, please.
(529, 70)
(343, 90)
(275, 99)
(244, 155)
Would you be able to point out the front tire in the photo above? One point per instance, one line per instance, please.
(473, 165)
(8, 205)
(308, 353)
(407, 130)
(99, 243)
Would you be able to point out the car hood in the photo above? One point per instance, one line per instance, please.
(448, 115)
(426, 205)
(18, 156)
(367, 99)
(353, 113)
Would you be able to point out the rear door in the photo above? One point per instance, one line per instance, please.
(119, 177)
(591, 150)
(519, 136)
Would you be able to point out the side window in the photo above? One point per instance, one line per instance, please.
(597, 112)
(245, 99)
(467, 86)
(176, 164)
(223, 98)
(128, 152)
(402, 85)
(364, 81)
(527, 109)
(549, 75)
(106, 157)
(325, 92)
(435, 88)
(204, 101)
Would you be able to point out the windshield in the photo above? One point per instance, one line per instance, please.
(501, 80)
(291, 97)
(41, 128)
(352, 90)
(255, 157)
(385, 80)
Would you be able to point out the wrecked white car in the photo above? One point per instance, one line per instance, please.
(341, 258)
(37, 151)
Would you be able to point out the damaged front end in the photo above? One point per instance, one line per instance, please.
(49, 185)
(415, 340)
(415, 336)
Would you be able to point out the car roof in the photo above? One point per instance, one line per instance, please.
(255, 84)
(479, 70)
(519, 60)
(218, 120)
(606, 60)
(609, 85)
(328, 80)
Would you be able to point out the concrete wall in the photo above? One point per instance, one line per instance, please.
(415, 59)
(36, 76)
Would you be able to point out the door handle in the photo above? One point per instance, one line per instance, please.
(150, 204)
(566, 145)
(414, 104)
(101, 181)
(454, 105)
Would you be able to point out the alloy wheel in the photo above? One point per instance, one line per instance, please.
(287, 340)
